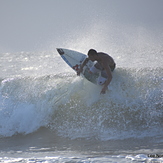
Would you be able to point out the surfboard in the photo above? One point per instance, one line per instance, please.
(74, 59)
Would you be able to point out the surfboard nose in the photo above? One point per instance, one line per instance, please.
(60, 51)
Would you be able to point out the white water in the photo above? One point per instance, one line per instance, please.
(68, 103)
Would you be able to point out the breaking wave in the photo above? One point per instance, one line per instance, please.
(74, 108)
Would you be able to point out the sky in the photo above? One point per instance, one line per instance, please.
(30, 25)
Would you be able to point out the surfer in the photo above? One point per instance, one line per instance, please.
(105, 65)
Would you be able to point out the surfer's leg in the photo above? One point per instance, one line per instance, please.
(95, 69)
(103, 75)
(98, 66)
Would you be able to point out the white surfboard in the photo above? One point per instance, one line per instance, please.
(74, 59)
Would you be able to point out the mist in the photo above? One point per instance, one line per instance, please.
(28, 25)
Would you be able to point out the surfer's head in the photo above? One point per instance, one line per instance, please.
(92, 54)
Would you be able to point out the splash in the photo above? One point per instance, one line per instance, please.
(74, 108)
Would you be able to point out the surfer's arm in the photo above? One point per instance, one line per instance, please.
(109, 74)
(82, 65)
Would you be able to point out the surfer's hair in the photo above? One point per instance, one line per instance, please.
(92, 52)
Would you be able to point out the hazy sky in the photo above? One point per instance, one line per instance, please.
(27, 25)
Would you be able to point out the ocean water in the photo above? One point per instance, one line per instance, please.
(49, 114)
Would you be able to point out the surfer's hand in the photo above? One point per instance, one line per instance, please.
(79, 71)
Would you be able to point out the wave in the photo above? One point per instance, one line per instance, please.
(74, 108)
